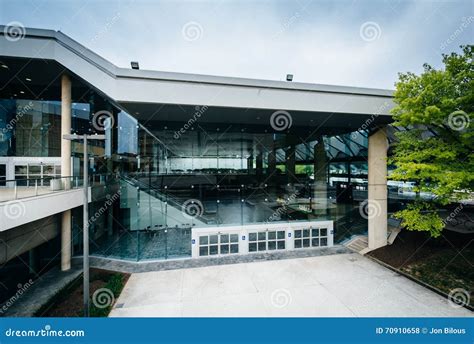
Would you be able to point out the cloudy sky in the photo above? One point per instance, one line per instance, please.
(346, 42)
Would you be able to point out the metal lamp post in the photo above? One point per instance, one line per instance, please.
(84, 139)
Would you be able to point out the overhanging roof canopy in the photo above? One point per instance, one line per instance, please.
(163, 96)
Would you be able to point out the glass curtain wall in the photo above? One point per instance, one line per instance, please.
(150, 186)
(207, 177)
(32, 128)
(221, 176)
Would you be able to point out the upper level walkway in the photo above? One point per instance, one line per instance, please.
(26, 200)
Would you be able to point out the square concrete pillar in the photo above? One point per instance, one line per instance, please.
(66, 120)
(271, 162)
(377, 193)
(320, 187)
(290, 156)
(250, 169)
(66, 236)
(259, 164)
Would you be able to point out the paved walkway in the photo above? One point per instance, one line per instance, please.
(39, 293)
(343, 285)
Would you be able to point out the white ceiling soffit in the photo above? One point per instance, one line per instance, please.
(142, 86)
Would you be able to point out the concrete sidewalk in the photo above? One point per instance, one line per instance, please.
(40, 292)
(344, 285)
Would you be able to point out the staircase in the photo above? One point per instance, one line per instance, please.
(155, 208)
(359, 244)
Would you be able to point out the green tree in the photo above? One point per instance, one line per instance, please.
(437, 151)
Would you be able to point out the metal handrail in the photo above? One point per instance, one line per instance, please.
(160, 195)
(29, 183)
(43, 178)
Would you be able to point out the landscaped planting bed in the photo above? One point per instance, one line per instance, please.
(105, 288)
(445, 263)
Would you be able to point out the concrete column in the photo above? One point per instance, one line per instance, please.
(66, 238)
(66, 169)
(110, 221)
(290, 163)
(250, 165)
(271, 163)
(271, 157)
(377, 201)
(33, 260)
(320, 187)
(65, 127)
(349, 175)
(259, 164)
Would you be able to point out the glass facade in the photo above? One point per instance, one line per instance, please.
(154, 179)
(153, 183)
(210, 177)
(32, 128)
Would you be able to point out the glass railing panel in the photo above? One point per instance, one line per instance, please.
(178, 242)
(121, 244)
(21, 188)
(229, 202)
(255, 203)
(154, 213)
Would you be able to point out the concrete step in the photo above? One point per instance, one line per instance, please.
(358, 244)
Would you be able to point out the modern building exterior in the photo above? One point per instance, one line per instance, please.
(192, 165)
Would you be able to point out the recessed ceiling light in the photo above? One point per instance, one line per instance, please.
(22, 92)
(4, 66)
(27, 79)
